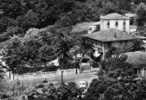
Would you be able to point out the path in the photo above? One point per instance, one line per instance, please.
(31, 80)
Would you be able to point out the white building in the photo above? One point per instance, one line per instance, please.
(115, 21)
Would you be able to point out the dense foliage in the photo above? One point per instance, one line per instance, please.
(16, 16)
(37, 48)
(118, 80)
(141, 12)
(69, 91)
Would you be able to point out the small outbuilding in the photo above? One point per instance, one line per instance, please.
(138, 59)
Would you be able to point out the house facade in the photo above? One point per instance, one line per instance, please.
(112, 41)
(124, 23)
(115, 21)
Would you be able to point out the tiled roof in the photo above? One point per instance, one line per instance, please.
(111, 35)
(136, 58)
(114, 16)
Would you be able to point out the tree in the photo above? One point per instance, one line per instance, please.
(37, 48)
(41, 13)
(12, 9)
(141, 14)
(117, 81)
(31, 19)
(49, 92)
(110, 7)
(20, 52)
(13, 30)
(86, 46)
(69, 92)
(13, 55)
(138, 45)
(63, 50)
(6, 22)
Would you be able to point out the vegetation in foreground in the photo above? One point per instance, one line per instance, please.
(118, 80)
(26, 50)
(35, 48)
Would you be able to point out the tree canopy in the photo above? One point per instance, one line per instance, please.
(141, 12)
(118, 80)
(25, 14)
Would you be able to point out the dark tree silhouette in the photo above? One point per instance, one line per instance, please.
(117, 81)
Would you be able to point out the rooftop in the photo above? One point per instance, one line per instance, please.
(136, 58)
(130, 15)
(112, 35)
(114, 16)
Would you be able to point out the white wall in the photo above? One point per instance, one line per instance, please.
(128, 26)
(104, 25)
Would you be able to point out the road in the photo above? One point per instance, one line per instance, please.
(24, 83)
(30, 80)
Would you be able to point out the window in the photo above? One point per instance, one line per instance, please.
(108, 24)
(97, 27)
(132, 21)
(124, 23)
(124, 26)
(116, 24)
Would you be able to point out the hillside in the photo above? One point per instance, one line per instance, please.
(17, 16)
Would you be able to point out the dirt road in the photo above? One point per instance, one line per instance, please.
(30, 80)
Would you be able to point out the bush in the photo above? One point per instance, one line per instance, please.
(49, 92)
(117, 81)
